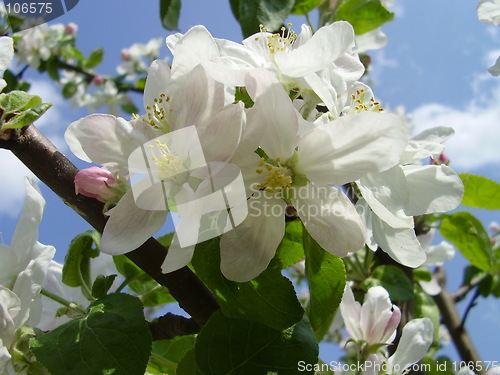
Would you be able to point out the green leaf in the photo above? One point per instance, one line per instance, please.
(363, 15)
(291, 249)
(169, 14)
(468, 235)
(53, 68)
(187, 365)
(113, 339)
(95, 58)
(17, 101)
(269, 299)
(69, 89)
(76, 268)
(167, 354)
(326, 277)
(480, 192)
(302, 7)
(234, 346)
(148, 290)
(27, 117)
(422, 274)
(393, 279)
(252, 13)
(130, 108)
(101, 285)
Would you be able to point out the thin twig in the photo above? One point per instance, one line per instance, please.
(471, 304)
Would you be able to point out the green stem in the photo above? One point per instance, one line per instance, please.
(62, 301)
(87, 292)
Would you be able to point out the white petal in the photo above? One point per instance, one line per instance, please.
(351, 313)
(198, 100)
(330, 218)
(177, 257)
(488, 11)
(495, 69)
(26, 233)
(428, 143)
(387, 194)
(374, 39)
(325, 46)
(431, 287)
(29, 282)
(401, 244)
(156, 82)
(433, 188)
(221, 136)
(6, 52)
(350, 147)
(274, 117)
(375, 314)
(103, 139)
(129, 226)
(415, 341)
(247, 250)
(195, 47)
(437, 255)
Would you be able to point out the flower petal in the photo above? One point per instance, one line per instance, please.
(103, 139)
(177, 256)
(330, 218)
(433, 188)
(325, 46)
(415, 341)
(351, 313)
(129, 226)
(387, 194)
(247, 250)
(400, 243)
(156, 82)
(350, 147)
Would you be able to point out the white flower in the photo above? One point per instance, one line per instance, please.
(415, 340)
(110, 141)
(374, 322)
(23, 268)
(407, 190)
(38, 43)
(488, 11)
(6, 55)
(302, 161)
(323, 62)
(134, 55)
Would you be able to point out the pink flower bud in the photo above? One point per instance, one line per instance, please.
(98, 80)
(125, 54)
(71, 28)
(95, 182)
(442, 159)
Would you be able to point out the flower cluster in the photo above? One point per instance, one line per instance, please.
(288, 113)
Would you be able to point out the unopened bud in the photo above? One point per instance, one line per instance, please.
(125, 54)
(442, 159)
(95, 182)
(71, 29)
(98, 80)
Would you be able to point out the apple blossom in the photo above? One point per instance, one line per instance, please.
(409, 189)
(301, 161)
(321, 64)
(488, 11)
(373, 323)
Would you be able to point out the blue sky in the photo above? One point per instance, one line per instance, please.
(434, 66)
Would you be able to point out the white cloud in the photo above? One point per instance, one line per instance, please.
(477, 125)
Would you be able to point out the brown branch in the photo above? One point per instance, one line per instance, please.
(169, 326)
(453, 322)
(462, 292)
(58, 173)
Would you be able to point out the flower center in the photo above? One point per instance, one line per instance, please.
(282, 41)
(361, 103)
(277, 176)
(157, 113)
(168, 162)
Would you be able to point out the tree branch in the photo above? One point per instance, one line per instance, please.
(58, 173)
(452, 321)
